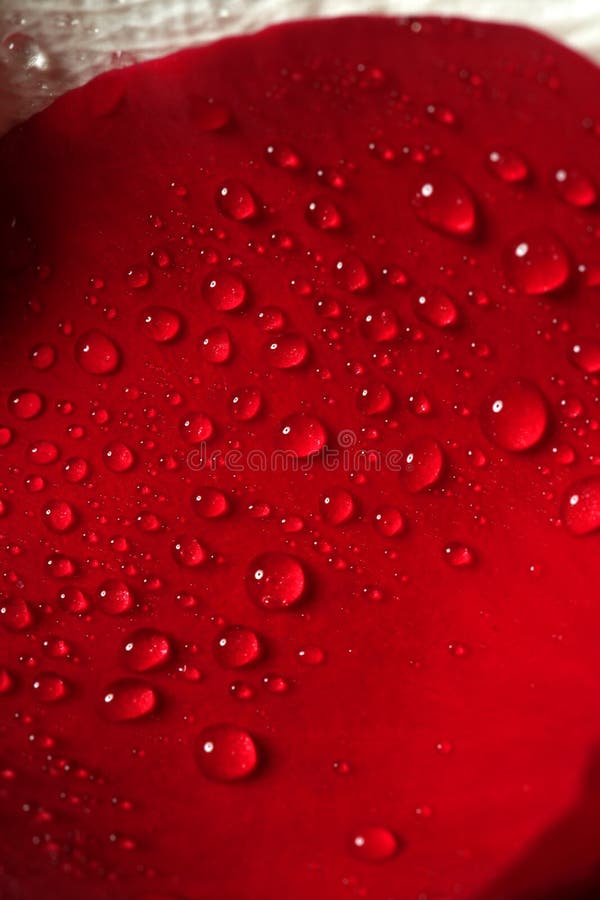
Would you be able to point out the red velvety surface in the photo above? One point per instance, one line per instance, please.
(464, 699)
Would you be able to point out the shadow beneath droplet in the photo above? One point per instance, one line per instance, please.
(564, 862)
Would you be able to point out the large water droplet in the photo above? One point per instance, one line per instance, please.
(118, 457)
(537, 262)
(515, 415)
(197, 427)
(352, 274)
(127, 699)
(96, 353)
(581, 506)
(189, 551)
(322, 213)
(302, 434)
(226, 752)
(276, 580)
(389, 521)
(210, 503)
(445, 203)
(216, 346)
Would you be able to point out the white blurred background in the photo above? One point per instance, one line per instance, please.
(50, 46)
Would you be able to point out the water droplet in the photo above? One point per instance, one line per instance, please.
(189, 552)
(96, 353)
(302, 434)
(276, 580)
(581, 506)
(42, 357)
(423, 464)
(118, 457)
(283, 156)
(115, 597)
(237, 202)
(338, 506)
(435, 306)
(138, 277)
(49, 688)
(44, 453)
(225, 291)
(246, 404)
(59, 515)
(226, 752)
(380, 325)
(446, 204)
(147, 649)
(209, 114)
(76, 469)
(25, 404)
(507, 165)
(585, 354)
(374, 398)
(197, 427)
(515, 416)
(389, 521)
(216, 346)
(237, 646)
(311, 656)
(352, 274)
(575, 187)
(374, 844)
(537, 262)
(161, 323)
(322, 213)
(127, 699)
(286, 351)
(458, 555)
(210, 503)
(15, 614)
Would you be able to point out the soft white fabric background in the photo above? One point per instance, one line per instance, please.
(49, 46)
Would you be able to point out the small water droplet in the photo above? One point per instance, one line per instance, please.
(49, 688)
(189, 551)
(458, 555)
(197, 427)
(352, 274)
(210, 503)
